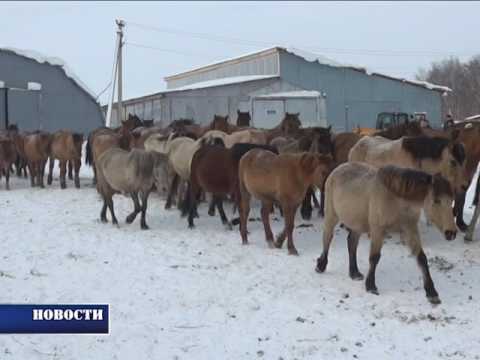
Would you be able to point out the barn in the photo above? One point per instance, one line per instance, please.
(276, 80)
(38, 92)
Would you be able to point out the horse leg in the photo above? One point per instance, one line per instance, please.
(352, 243)
(458, 211)
(70, 169)
(192, 202)
(94, 180)
(38, 172)
(219, 202)
(171, 191)
(289, 226)
(321, 210)
(316, 204)
(328, 227)
(266, 209)
(31, 169)
(7, 179)
(50, 170)
(211, 208)
(77, 163)
(306, 209)
(103, 212)
(24, 166)
(143, 223)
(137, 208)
(41, 172)
(63, 171)
(374, 258)
(112, 212)
(244, 209)
(430, 291)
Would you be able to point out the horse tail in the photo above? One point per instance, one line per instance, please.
(88, 152)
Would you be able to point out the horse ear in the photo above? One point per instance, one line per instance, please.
(238, 112)
(226, 117)
(329, 128)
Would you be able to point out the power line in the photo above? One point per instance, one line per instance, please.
(364, 52)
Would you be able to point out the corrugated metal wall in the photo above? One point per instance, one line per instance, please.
(266, 64)
(60, 104)
(355, 98)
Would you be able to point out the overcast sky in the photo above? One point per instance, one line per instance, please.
(394, 38)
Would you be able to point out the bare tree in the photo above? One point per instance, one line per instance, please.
(462, 78)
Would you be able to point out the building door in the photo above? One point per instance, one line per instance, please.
(267, 113)
(307, 108)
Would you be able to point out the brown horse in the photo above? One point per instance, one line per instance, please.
(214, 169)
(8, 156)
(390, 199)
(282, 179)
(37, 150)
(468, 135)
(289, 126)
(132, 172)
(65, 147)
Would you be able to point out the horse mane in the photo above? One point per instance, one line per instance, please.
(422, 147)
(181, 123)
(405, 183)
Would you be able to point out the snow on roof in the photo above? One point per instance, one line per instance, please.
(292, 94)
(55, 61)
(2, 84)
(473, 117)
(221, 82)
(323, 60)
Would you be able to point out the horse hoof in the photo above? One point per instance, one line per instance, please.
(103, 220)
(144, 227)
(373, 291)
(228, 226)
(293, 252)
(271, 244)
(211, 212)
(468, 238)
(435, 300)
(356, 276)
(277, 244)
(321, 265)
(129, 220)
(244, 242)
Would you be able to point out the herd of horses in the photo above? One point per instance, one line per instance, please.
(374, 184)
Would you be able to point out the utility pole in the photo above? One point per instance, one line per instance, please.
(121, 25)
(116, 66)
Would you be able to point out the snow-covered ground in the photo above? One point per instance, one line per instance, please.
(176, 293)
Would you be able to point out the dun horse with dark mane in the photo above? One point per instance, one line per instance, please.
(377, 202)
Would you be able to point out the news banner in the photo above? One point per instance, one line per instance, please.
(54, 319)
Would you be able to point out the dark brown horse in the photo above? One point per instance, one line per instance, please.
(289, 126)
(411, 128)
(214, 170)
